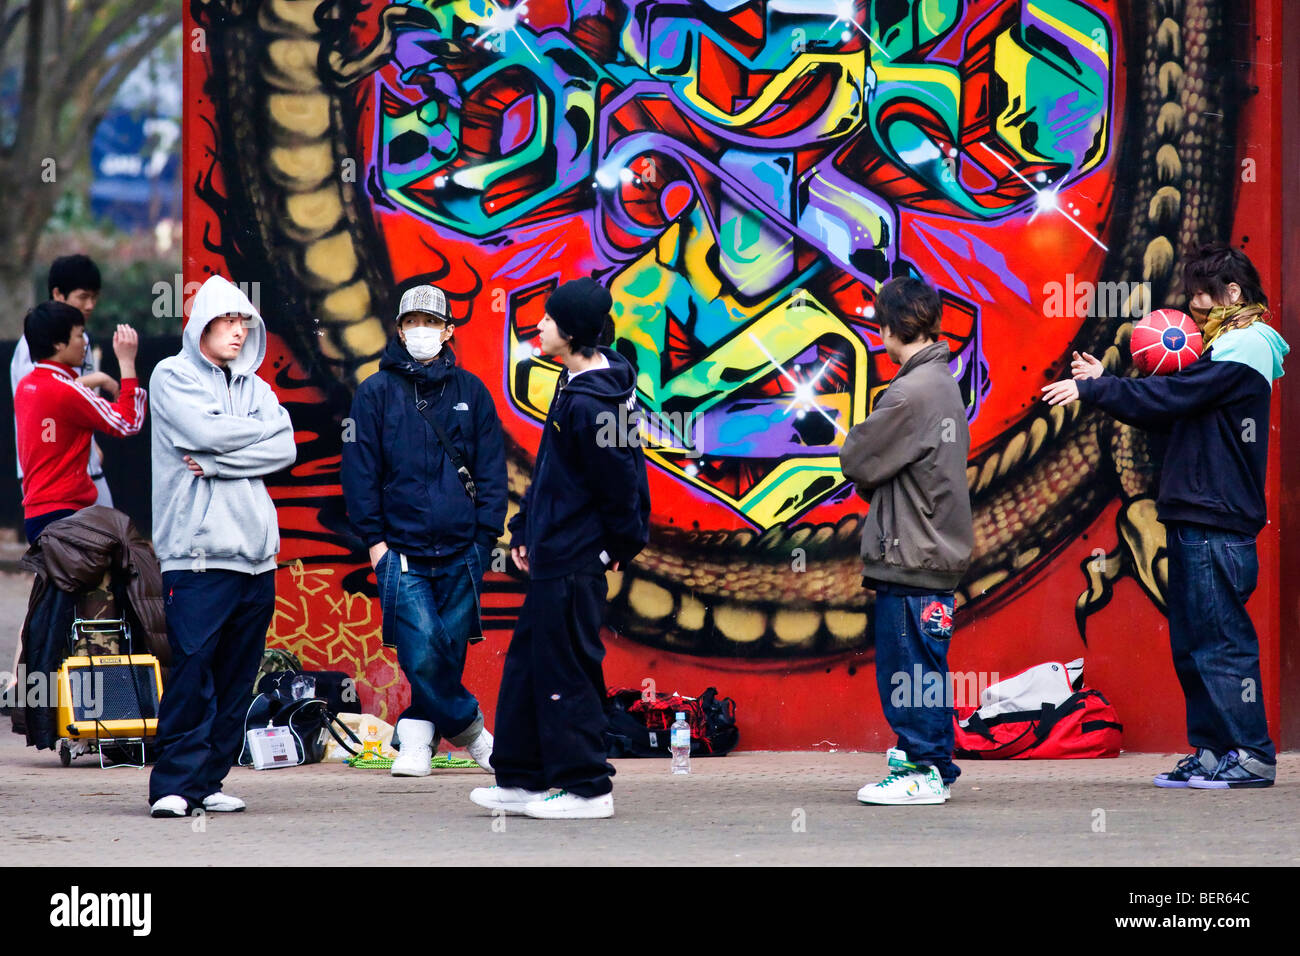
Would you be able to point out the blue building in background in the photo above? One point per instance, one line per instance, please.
(135, 169)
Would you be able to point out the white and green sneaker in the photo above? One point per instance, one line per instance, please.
(907, 783)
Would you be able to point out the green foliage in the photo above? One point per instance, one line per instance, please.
(127, 295)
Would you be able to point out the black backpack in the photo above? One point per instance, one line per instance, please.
(309, 719)
(638, 723)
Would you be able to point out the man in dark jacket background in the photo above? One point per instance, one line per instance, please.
(586, 511)
(909, 457)
(430, 538)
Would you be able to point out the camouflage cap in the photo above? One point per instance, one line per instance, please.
(424, 298)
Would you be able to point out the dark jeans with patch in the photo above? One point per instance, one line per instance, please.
(1212, 573)
(912, 635)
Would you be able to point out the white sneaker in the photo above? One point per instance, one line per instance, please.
(222, 803)
(172, 806)
(570, 806)
(906, 784)
(416, 737)
(481, 750)
(509, 799)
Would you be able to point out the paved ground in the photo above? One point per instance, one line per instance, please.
(766, 808)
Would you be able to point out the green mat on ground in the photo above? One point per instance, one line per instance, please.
(439, 762)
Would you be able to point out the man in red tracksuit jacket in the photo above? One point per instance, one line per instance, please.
(55, 414)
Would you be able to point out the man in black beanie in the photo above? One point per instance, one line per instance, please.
(586, 511)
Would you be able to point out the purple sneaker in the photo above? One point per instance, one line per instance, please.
(1231, 775)
(1194, 766)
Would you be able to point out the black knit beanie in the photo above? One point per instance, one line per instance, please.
(580, 307)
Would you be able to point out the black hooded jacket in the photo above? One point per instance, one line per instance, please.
(399, 484)
(589, 491)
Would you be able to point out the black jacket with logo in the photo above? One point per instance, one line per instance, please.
(399, 484)
(1212, 419)
(589, 491)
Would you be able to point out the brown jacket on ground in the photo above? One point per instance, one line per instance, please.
(75, 553)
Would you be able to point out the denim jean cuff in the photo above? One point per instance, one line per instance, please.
(469, 734)
(1256, 765)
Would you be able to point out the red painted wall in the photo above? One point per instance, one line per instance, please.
(833, 702)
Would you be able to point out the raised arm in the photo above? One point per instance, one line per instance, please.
(122, 418)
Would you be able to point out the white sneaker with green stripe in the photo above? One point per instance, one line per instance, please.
(907, 783)
(570, 806)
(509, 799)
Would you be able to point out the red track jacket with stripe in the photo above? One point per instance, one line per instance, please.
(55, 416)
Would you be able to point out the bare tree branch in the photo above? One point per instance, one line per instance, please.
(118, 27)
(71, 61)
(31, 68)
(114, 75)
(10, 22)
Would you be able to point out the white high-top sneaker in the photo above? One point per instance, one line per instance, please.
(570, 806)
(416, 737)
(481, 750)
(906, 784)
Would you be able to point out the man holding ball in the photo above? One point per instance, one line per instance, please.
(1214, 417)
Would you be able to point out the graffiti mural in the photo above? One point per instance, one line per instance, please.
(742, 176)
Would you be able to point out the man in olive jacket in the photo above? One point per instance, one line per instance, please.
(909, 459)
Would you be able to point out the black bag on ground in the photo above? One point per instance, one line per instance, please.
(310, 718)
(638, 723)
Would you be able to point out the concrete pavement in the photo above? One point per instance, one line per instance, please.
(765, 808)
(747, 808)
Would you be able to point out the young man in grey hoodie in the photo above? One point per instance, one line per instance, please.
(909, 458)
(218, 429)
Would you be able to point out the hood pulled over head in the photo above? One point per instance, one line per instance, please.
(219, 296)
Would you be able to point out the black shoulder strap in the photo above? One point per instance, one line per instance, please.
(333, 719)
(426, 411)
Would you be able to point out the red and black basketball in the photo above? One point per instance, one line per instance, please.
(1165, 341)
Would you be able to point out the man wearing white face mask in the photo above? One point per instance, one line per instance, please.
(424, 479)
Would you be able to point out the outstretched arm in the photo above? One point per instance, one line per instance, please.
(1156, 401)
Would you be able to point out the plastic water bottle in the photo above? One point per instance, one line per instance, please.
(370, 744)
(679, 742)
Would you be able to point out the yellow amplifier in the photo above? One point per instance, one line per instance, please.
(107, 697)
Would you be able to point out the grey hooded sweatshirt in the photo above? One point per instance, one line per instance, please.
(909, 458)
(236, 431)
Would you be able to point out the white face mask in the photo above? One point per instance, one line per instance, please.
(422, 343)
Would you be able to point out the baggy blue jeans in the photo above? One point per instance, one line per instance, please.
(1212, 573)
(434, 610)
(912, 636)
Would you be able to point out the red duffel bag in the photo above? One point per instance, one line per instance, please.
(1045, 712)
